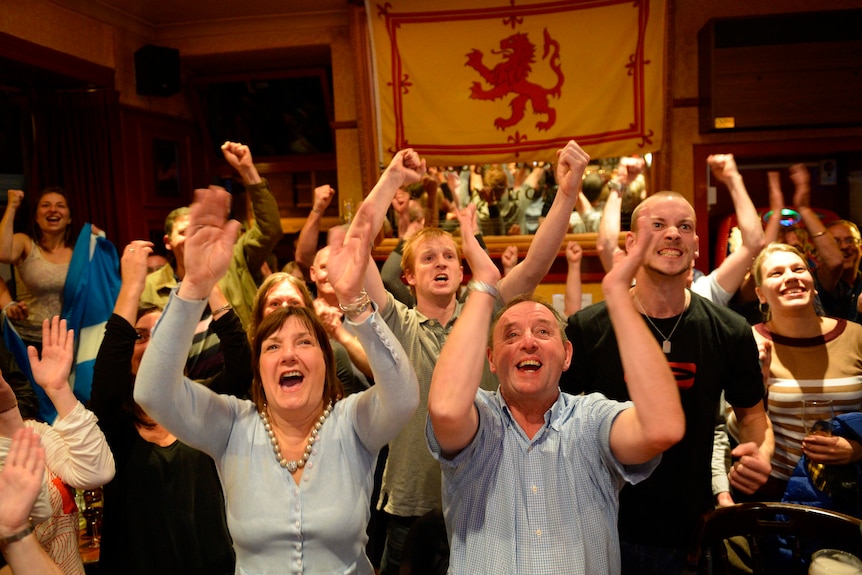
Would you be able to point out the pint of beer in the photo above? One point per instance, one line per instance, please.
(834, 562)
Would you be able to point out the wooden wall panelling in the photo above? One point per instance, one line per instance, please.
(781, 71)
(146, 205)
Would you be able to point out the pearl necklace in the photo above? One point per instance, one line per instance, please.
(294, 464)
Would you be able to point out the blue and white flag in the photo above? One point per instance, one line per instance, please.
(91, 289)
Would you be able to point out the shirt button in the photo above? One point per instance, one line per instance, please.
(538, 532)
(298, 524)
(534, 488)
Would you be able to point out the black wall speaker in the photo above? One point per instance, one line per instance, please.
(157, 71)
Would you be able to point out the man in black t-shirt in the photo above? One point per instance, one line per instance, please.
(710, 349)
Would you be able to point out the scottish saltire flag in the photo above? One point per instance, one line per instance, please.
(486, 81)
(92, 286)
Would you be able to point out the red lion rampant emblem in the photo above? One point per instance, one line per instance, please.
(512, 76)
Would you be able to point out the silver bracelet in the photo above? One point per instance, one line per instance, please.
(357, 306)
(16, 536)
(483, 287)
(225, 307)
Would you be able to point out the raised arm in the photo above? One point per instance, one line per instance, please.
(12, 245)
(20, 483)
(656, 422)
(112, 374)
(574, 290)
(81, 457)
(608, 237)
(406, 167)
(776, 206)
(265, 232)
(236, 374)
(195, 414)
(571, 163)
(133, 272)
(51, 372)
(509, 259)
(732, 270)
(459, 369)
(306, 243)
(239, 157)
(829, 258)
(386, 407)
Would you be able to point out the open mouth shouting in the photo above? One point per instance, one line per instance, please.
(290, 379)
(529, 365)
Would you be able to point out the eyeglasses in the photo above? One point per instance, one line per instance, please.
(848, 241)
(143, 334)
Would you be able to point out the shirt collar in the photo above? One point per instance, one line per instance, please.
(553, 417)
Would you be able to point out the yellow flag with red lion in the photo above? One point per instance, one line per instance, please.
(487, 81)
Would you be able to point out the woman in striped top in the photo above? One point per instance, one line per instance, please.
(807, 357)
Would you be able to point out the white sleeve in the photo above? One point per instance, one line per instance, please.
(77, 451)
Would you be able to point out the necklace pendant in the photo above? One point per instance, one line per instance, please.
(291, 466)
(665, 346)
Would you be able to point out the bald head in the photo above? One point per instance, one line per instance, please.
(657, 199)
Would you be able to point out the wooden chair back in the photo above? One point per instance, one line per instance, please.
(801, 529)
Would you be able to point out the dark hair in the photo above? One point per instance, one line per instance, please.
(131, 406)
(592, 186)
(270, 325)
(36, 231)
(145, 308)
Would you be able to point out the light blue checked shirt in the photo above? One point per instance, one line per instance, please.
(546, 506)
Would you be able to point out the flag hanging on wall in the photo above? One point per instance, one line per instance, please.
(488, 81)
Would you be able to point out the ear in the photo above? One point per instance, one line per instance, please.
(569, 350)
(490, 353)
(409, 277)
(759, 295)
(460, 275)
(167, 240)
(312, 274)
(630, 240)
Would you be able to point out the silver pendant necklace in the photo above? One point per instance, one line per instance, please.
(294, 464)
(665, 344)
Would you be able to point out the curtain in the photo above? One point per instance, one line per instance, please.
(74, 140)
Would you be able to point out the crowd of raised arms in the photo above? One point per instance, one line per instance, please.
(340, 416)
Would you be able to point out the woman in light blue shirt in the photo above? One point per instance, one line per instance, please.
(296, 464)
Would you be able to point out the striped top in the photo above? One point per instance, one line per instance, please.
(828, 366)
